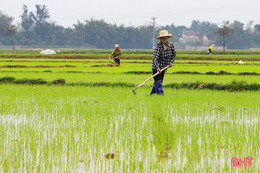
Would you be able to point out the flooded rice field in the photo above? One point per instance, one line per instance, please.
(109, 129)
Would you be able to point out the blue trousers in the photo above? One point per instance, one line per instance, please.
(157, 85)
(157, 88)
(117, 60)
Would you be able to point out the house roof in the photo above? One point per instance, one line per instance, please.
(200, 36)
(210, 36)
(190, 33)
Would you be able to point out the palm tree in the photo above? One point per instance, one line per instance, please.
(9, 30)
(223, 31)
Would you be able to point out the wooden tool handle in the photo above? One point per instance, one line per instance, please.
(152, 77)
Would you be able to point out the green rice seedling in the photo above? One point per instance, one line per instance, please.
(131, 79)
(108, 129)
(92, 122)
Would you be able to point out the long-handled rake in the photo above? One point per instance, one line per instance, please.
(150, 78)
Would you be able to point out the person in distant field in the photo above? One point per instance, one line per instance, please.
(116, 54)
(210, 49)
(164, 54)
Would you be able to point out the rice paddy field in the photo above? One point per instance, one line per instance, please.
(75, 112)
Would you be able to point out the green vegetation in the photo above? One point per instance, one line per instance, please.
(38, 30)
(128, 54)
(67, 115)
(128, 51)
(233, 86)
(62, 128)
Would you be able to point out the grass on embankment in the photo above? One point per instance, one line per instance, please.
(136, 79)
(136, 57)
(233, 86)
(129, 51)
(133, 54)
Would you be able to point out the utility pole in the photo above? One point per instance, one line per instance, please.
(153, 18)
(196, 36)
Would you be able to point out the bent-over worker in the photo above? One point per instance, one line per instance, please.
(210, 49)
(116, 54)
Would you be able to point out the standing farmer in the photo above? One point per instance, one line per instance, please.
(210, 49)
(164, 54)
(116, 54)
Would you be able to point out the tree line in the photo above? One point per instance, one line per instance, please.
(37, 29)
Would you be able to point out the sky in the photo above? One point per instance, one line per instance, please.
(140, 12)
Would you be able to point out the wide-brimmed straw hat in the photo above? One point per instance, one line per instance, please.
(164, 33)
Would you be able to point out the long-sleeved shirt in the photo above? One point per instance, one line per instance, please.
(162, 58)
(116, 53)
(211, 47)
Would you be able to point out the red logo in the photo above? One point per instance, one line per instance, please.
(238, 162)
